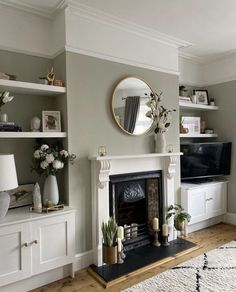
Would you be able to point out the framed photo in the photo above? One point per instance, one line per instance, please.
(201, 96)
(21, 196)
(192, 124)
(51, 121)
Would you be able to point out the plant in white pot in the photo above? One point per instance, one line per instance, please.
(47, 162)
(109, 233)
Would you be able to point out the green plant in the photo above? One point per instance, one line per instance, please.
(177, 211)
(109, 232)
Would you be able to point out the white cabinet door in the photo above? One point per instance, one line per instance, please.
(196, 204)
(216, 200)
(53, 242)
(15, 258)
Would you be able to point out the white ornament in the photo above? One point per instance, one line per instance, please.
(35, 124)
(37, 200)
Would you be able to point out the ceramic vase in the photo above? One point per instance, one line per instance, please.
(50, 191)
(160, 142)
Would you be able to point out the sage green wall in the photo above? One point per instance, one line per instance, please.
(90, 83)
(224, 122)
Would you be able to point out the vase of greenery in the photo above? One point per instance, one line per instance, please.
(180, 217)
(109, 232)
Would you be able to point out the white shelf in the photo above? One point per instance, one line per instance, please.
(198, 135)
(30, 88)
(33, 134)
(200, 107)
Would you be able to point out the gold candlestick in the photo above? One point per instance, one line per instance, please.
(165, 240)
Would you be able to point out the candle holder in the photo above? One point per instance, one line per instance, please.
(120, 260)
(123, 256)
(165, 240)
(156, 242)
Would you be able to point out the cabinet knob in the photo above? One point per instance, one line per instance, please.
(25, 244)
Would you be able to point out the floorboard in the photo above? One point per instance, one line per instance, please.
(207, 239)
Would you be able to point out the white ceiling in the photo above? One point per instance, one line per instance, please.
(210, 25)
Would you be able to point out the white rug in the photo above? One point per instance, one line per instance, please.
(214, 271)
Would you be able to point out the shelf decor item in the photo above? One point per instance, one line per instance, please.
(201, 96)
(180, 217)
(48, 161)
(109, 233)
(51, 121)
(8, 181)
(161, 119)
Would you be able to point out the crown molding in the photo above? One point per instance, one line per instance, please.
(105, 18)
(193, 58)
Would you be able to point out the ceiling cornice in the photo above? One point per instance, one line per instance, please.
(192, 58)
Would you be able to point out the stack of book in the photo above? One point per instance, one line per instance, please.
(9, 127)
(186, 99)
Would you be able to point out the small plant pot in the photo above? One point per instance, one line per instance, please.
(109, 254)
(179, 225)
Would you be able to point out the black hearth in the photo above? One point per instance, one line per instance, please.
(134, 200)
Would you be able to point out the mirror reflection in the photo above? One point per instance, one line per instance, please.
(129, 106)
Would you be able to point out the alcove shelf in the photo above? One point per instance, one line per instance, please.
(33, 135)
(19, 87)
(198, 135)
(197, 107)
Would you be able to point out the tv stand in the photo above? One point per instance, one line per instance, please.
(198, 181)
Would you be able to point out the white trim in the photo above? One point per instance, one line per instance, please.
(219, 81)
(83, 260)
(119, 60)
(205, 223)
(230, 218)
(193, 58)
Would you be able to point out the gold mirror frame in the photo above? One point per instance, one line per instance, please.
(147, 90)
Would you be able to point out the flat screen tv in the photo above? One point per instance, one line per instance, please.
(204, 160)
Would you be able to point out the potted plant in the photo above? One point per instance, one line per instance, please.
(180, 217)
(109, 232)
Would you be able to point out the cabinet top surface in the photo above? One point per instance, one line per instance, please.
(23, 214)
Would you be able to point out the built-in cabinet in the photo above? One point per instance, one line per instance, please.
(32, 243)
(204, 201)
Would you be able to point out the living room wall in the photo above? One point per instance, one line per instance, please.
(90, 83)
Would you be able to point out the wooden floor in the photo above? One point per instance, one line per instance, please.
(207, 239)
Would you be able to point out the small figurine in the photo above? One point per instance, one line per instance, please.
(37, 200)
(51, 77)
(35, 124)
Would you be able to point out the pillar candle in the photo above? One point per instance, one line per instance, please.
(165, 230)
(155, 224)
(120, 232)
(119, 244)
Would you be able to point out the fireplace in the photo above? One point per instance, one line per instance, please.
(107, 173)
(134, 200)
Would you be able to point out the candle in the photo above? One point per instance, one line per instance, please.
(165, 230)
(120, 232)
(155, 224)
(119, 244)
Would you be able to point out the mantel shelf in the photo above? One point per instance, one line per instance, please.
(195, 107)
(198, 135)
(19, 87)
(33, 134)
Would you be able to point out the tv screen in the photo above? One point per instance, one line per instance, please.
(205, 159)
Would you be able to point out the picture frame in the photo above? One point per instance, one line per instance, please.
(21, 196)
(193, 124)
(51, 121)
(201, 96)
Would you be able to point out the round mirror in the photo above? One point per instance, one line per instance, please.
(129, 106)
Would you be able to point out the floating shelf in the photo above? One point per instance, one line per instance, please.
(19, 87)
(200, 107)
(33, 134)
(198, 135)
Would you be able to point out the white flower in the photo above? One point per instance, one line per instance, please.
(44, 164)
(57, 164)
(37, 154)
(161, 126)
(49, 158)
(44, 147)
(6, 97)
(64, 153)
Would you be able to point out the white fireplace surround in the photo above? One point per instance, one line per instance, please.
(103, 167)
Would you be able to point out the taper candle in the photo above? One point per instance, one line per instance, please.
(119, 244)
(120, 232)
(165, 231)
(155, 224)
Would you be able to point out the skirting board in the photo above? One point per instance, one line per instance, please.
(230, 218)
(83, 260)
(205, 223)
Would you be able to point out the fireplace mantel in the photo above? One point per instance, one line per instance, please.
(104, 166)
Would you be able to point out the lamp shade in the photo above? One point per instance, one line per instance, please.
(8, 177)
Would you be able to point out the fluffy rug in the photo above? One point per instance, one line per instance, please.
(214, 271)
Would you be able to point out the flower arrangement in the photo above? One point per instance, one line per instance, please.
(160, 115)
(48, 160)
(5, 98)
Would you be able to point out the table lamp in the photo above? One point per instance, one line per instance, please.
(8, 181)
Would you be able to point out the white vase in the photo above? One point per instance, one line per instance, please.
(160, 143)
(50, 190)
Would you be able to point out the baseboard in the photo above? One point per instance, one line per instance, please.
(205, 223)
(83, 260)
(230, 218)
